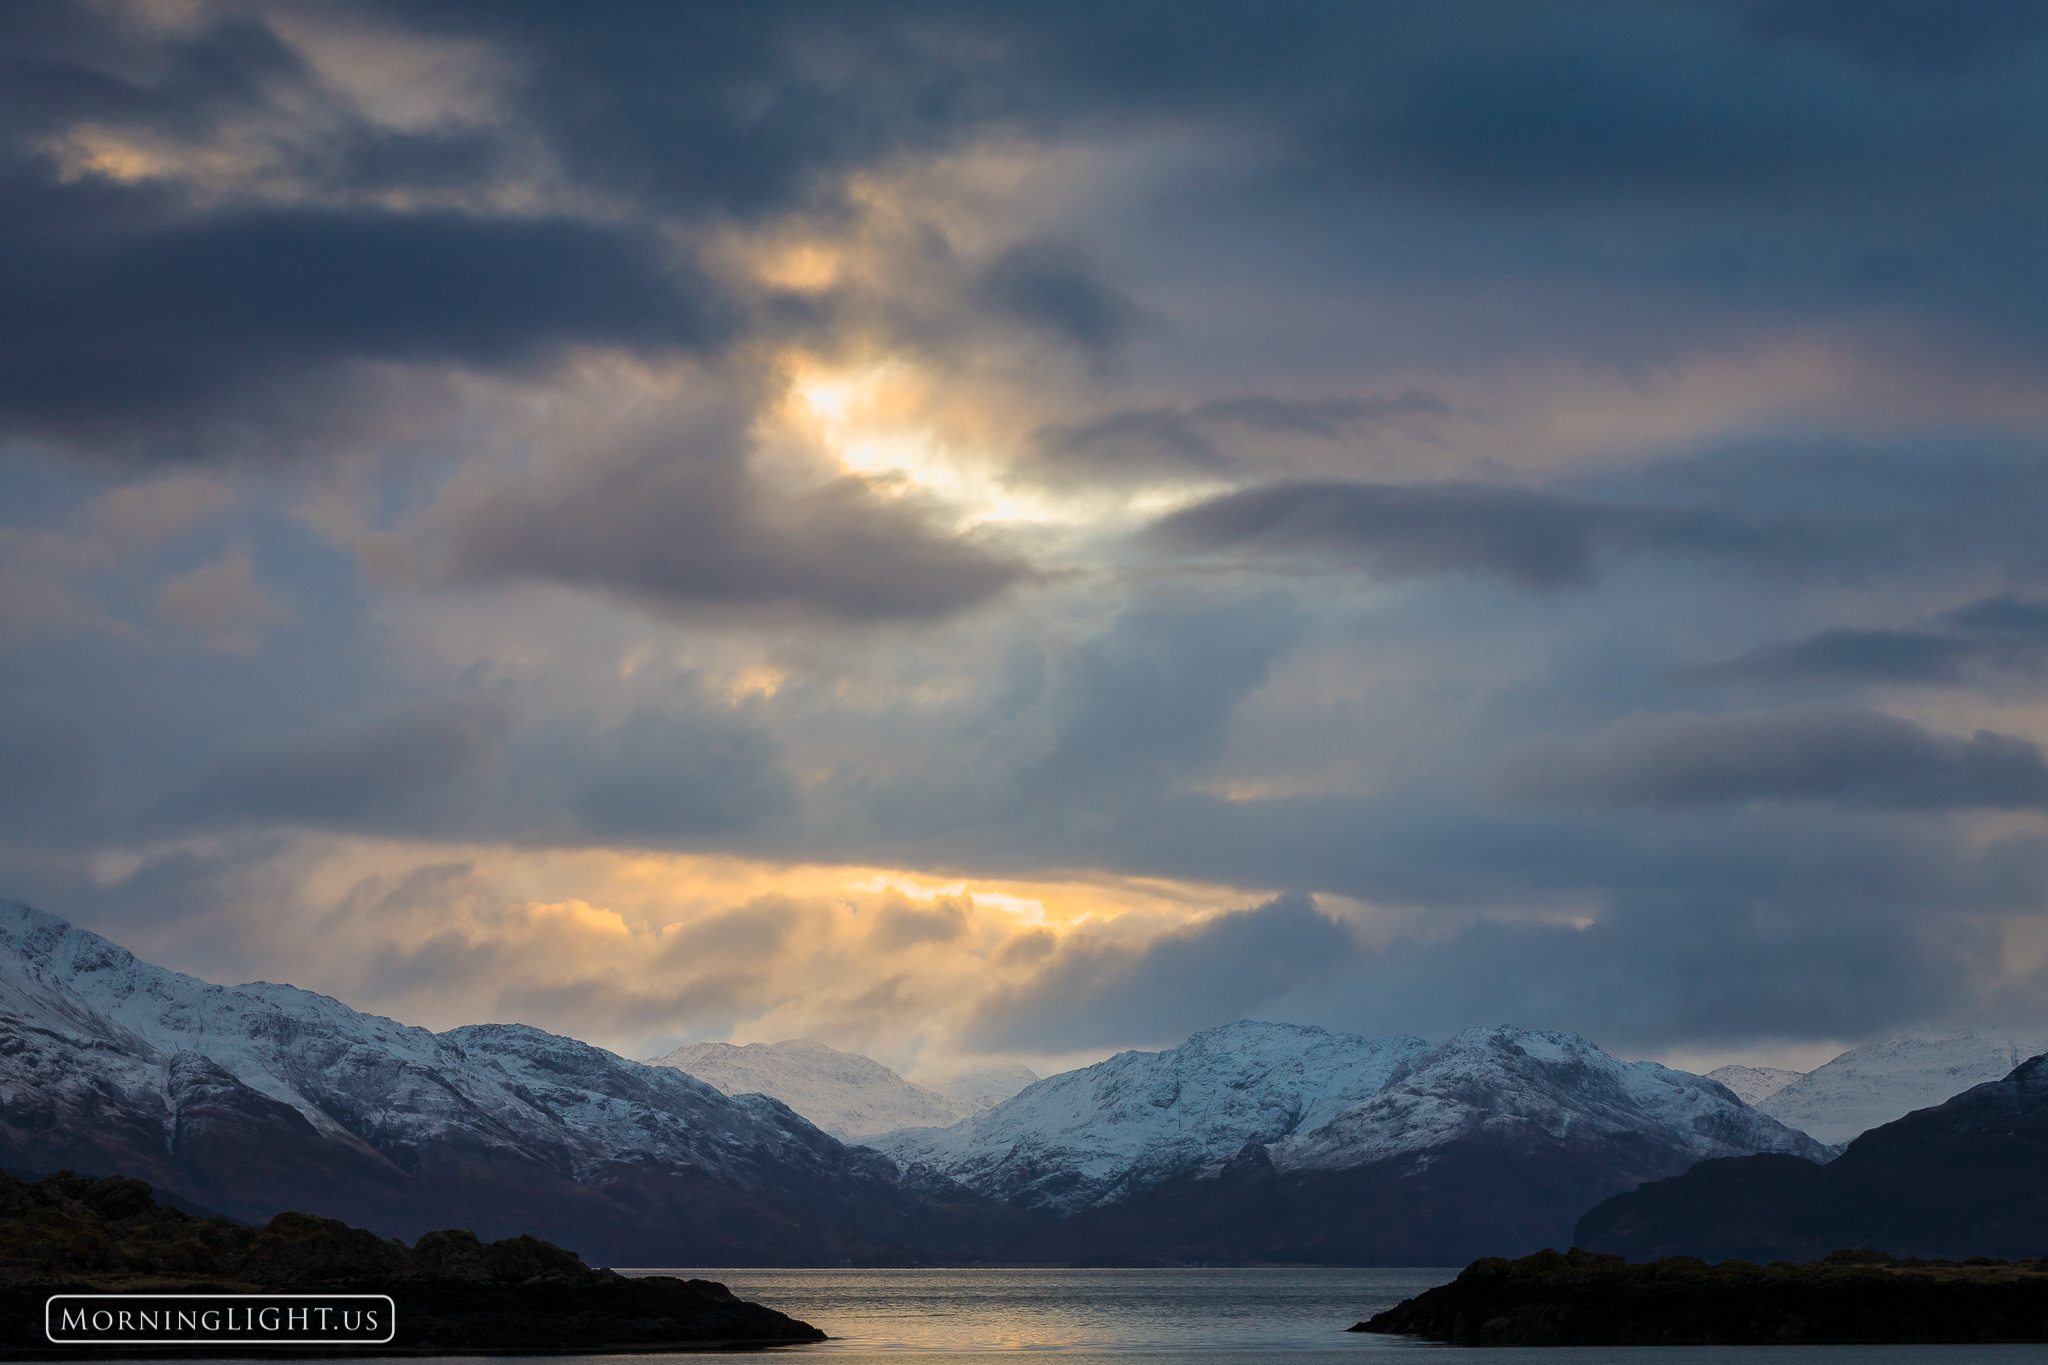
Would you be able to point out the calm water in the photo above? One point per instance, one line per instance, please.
(1213, 1317)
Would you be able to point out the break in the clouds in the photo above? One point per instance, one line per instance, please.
(999, 530)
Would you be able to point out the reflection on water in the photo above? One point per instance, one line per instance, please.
(1211, 1317)
(1294, 1316)
(1081, 1310)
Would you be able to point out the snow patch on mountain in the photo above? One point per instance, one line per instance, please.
(92, 1029)
(1319, 1100)
(983, 1087)
(1503, 1082)
(1097, 1134)
(1754, 1084)
(1880, 1081)
(844, 1093)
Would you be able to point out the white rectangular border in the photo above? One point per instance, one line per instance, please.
(239, 1300)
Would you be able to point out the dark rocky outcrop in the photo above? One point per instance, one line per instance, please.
(1964, 1178)
(453, 1291)
(1583, 1298)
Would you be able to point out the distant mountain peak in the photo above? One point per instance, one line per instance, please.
(844, 1093)
(1879, 1081)
(1320, 1100)
(1754, 1084)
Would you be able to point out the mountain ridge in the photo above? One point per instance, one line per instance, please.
(849, 1096)
(253, 1099)
(1877, 1082)
(1288, 1143)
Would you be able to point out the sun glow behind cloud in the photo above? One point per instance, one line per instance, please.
(876, 420)
(640, 952)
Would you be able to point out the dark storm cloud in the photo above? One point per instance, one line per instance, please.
(1818, 754)
(129, 302)
(119, 329)
(694, 104)
(69, 62)
(122, 305)
(2004, 633)
(420, 768)
(1093, 992)
(681, 530)
(705, 110)
(1541, 541)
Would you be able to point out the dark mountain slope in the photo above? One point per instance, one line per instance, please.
(1481, 1195)
(1964, 1178)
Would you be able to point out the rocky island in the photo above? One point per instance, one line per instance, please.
(1582, 1298)
(453, 1293)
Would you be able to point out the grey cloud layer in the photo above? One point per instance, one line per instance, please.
(1766, 122)
(1539, 540)
(681, 527)
(1818, 754)
(1091, 993)
(1997, 633)
(1311, 229)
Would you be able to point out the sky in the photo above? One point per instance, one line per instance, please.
(979, 531)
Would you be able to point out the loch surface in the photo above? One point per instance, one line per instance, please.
(1262, 1316)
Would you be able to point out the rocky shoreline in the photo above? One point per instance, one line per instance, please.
(1582, 1298)
(454, 1294)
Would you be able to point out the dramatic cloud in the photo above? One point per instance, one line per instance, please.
(677, 534)
(1820, 754)
(110, 326)
(898, 522)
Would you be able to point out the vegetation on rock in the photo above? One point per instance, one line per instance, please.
(1583, 1298)
(76, 1234)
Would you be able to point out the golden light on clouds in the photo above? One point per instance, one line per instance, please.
(884, 420)
(86, 150)
(639, 952)
(807, 268)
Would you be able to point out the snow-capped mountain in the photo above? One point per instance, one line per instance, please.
(1318, 1100)
(250, 1099)
(983, 1087)
(1501, 1081)
(1087, 1136)
(1753, 1084)
(1881, 1081)
(844, 1093)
